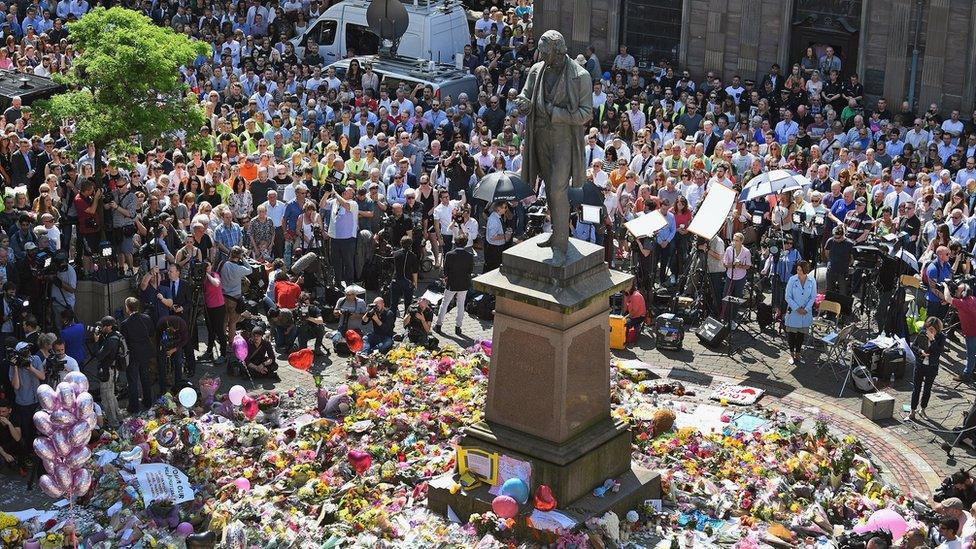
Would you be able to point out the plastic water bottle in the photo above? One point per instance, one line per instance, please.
(891, 379)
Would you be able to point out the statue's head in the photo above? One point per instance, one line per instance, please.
(551, 46)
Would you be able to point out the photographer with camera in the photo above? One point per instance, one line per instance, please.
(282, 320)
(123, 209)
(383, 321)
(406, 272)
(464, 228)
(138, 330)
(343, 230)
(63, 287)
(26, 374)
(233, 271)
(458, 166)
(417, 322)
(87, 204)
(350, 309)
(959, 485)
(779, 268)
(58, 362)
(110, 356)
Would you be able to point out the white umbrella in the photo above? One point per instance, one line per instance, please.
(774, 182)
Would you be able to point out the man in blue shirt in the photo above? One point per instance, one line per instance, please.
(664, 238)
(292, 212)
(839, 209)
(937, 272)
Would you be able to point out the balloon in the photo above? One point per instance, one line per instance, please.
(240, 347)
(188, 397)
(62, 418)
(543, 499)
(504, 506)
(61, 442)
(354, 341)
(184, 529)
(242, 484)
(44, 448)
(78, 457)
(62, 475)
(167, 436)
(52, 465)
(78, 380)
(81, 481)
(85, 405)
(48, 398)
(301, 359)
(236, 395)
(66, 393)
(42, 420)
(516, 489)
(887, 519)
(360, 461)
(133, 456)
(250, 407)
(80, 433)
(49, 487)
(91, 421)
(338, 405)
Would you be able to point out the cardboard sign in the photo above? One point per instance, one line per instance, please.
(159, 481)
(737, 394)
(478, 463)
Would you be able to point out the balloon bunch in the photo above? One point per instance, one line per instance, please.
(66, 421)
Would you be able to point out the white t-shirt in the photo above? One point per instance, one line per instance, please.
(470, 228)
(69, 278)
(442, 213)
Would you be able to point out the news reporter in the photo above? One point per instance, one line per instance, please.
(801, 292)
(737, 261)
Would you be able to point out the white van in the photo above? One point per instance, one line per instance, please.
(437, 31)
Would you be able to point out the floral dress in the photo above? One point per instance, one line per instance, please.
(241, 205)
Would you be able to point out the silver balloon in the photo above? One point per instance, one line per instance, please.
(78, 380)
(81, 481)
(63, 418)
(78, 457)
(66, 393)
(50, 487)
(62, 475)
(84, 405)
(48, 398)
(42, 420)
(80, 433)
(61, 442)
(52, 465)
(44, 448)
(92, 422)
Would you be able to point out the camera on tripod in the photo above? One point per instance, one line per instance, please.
(48, 263)
(53, 367)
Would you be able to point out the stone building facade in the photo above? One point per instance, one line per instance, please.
(878, 39)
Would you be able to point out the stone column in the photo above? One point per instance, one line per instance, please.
(969, 93)
(898, 58)
(785, 34)
(933, 62)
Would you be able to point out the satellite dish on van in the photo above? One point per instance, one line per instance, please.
(387, 19)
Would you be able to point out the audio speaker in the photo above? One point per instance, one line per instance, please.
(712, 332)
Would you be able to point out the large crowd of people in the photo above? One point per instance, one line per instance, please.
(319, 188)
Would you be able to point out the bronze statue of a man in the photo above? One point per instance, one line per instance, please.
(558, 101)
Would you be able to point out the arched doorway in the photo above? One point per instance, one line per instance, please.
(820, 24)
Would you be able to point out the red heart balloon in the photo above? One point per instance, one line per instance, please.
(301, 359)
(543, 498)
(250, 407)
(354, 341)
(360, 461)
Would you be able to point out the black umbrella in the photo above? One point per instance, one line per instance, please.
(502, 186)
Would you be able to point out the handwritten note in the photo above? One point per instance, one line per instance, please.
(509, 467)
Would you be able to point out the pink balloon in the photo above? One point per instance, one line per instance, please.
(78, 457)
(62, 475)
(66, 394)
(92, 421)
(249, 406)
(240, 347)
(49, 487)
(81, 481)
(80, 433)
(242, 484)
(44, 448)
(236, 395)
(62, 443)
(62, 418)
(184, 529)
(890, 520)
(78, 380)
(52, 465)
(504, 506)
(48, 398)
(42, 420)
(85, 405)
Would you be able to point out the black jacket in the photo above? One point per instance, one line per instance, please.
(458, 266)
(138, 331)
(106, 349)
(19, 169)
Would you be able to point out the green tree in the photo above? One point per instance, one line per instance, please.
(125, 87)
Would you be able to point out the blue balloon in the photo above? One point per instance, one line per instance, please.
(516, 489)
(606, 75)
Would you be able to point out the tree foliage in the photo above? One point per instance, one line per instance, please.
(126, 83)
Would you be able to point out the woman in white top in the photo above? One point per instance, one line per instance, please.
(305, 228)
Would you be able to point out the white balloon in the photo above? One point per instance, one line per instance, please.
(236, 394)
(188, 397)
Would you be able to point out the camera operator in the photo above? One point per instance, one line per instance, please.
(406, 272)
(63, 287)
(458, 268)
(260, 358)
(957, 485)
(464, 228)
(458, 167)
(311, 325)
(87, 204)
(497, 237)
(26, 374)
(11, 449)
(383, 321)
(398, 225)
(173, 334)
(123, 209)
(59, 363)
(350, 309)
(837, 251)
(417, 322)
(138, 330)
(108, 346)
(188, 255)
(779, 267)
(233, 271)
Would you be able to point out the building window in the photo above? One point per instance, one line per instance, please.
(652, 30)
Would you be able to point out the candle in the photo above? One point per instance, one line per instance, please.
(32, 544)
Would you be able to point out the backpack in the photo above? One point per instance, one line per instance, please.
(122, 355)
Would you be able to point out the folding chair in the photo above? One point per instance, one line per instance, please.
(824, 323)
(835, 350)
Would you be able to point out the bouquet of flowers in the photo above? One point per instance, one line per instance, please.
(268, 401)
(208, 389)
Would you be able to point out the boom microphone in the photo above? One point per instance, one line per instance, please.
(304, 263)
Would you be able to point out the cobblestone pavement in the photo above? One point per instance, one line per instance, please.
(910, 450)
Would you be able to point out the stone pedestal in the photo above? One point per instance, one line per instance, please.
(548, 391)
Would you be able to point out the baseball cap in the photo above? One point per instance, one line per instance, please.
(861, 200)
(21, 346)
(107, 321)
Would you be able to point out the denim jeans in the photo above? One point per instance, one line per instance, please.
(375, 342)
(970, 355)
(401, 288)
(344, 260)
